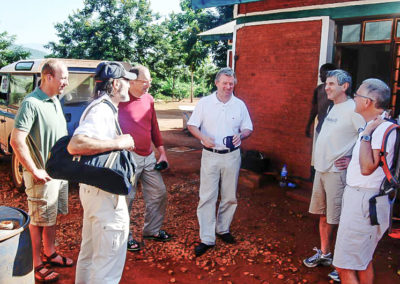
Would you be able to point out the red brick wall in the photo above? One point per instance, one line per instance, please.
(277, 70)
(230, 58)
(266, 5)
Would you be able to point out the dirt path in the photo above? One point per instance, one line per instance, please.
(274, 232)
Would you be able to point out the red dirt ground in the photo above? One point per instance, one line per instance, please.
(274, 232)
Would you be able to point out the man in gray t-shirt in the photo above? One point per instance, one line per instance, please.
(332, 156)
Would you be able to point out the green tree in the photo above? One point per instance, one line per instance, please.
(122, 30)
(107, 30)
(187, 25)
(8, 52)
(127, 30)
(220, 48)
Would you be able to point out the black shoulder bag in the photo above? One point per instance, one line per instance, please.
(112, 171)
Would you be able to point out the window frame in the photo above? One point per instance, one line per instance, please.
(363, 22)
(364, 26)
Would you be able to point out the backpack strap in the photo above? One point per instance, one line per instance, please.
(383, 162)
(390, 182)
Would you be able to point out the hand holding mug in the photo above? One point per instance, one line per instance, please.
(237, 139)
(228, 142)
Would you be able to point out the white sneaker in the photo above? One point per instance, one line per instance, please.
(318, 259)
(334, 275)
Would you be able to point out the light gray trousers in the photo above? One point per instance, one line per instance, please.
(154, 194)
(104, 237)
(216, 169)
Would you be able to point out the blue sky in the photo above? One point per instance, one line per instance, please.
(32, 21)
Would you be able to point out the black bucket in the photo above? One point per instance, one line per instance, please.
(15, 247)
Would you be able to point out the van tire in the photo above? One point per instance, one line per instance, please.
(16, 171)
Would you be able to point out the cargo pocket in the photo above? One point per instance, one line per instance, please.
(28, 180)
(37, 201)
(113, 237)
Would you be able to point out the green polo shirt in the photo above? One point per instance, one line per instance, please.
(42, 117)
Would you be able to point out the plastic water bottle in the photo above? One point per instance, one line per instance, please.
(283, 181)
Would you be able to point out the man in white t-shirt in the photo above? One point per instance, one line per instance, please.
(105, 215)
(219, 115)
(357, 238)
(331, 157)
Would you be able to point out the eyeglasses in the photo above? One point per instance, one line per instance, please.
(148, 82)
(365, 97)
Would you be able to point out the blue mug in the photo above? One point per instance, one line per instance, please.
(228, 142)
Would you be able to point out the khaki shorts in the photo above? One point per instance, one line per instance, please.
(357, 239)
(327, 195)
(45, 201)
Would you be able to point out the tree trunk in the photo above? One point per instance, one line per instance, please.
(173, 87)
(191, 85)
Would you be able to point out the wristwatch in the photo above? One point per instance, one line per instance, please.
(366, 138)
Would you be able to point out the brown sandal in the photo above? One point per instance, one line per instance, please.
(41, 277)
(49, 260)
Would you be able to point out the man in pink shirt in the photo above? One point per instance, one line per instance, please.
(138, 118)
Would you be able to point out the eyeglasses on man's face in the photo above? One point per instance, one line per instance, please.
(361, 96)
(148, 82)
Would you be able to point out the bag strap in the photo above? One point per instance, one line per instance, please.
(117, 126)
(113, 108)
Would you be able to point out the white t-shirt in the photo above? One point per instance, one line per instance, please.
(338, 134)
(218, 120)
(374, 180)
(98, 121)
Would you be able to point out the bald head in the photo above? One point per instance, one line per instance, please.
(140, 71)
(51, 66)
(142, 84)
(54, 77)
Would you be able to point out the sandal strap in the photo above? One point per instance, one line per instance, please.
(54, 255)
(49, 258)
(64, 259)
(39, 267)
(45, 274)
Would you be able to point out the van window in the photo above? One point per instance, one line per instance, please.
(20, 86)
(79, 89)
(3, 88)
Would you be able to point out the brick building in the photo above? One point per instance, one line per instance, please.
(278, 46)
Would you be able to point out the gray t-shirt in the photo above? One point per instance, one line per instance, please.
(338, 136)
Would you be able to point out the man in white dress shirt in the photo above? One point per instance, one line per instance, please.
(215, 117)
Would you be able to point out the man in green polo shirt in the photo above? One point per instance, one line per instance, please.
(38, 125)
